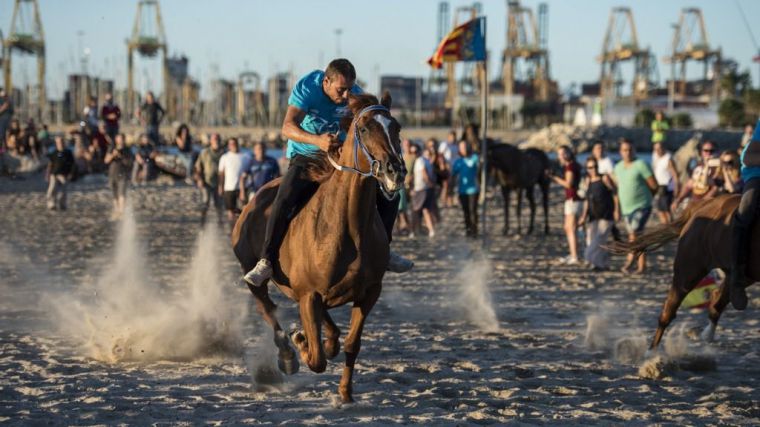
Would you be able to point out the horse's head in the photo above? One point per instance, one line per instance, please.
(373, 145)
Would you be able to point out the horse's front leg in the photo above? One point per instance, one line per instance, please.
(286, 357)
(353, 341)
(519, 210)
(332, 335)
(309, 342)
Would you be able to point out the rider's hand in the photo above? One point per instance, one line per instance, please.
(328, 141)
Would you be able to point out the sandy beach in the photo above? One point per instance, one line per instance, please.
(141, 322)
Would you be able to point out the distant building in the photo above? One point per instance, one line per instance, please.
(405, 91)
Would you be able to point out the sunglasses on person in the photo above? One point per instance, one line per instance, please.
(708, 150)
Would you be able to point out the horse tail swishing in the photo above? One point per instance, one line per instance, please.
(658, 237)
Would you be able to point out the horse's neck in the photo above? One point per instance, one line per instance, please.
(353, 194)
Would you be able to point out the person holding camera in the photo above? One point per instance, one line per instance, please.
(119, 161)
(701, 184)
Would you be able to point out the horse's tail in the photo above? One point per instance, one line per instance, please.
(657, 237)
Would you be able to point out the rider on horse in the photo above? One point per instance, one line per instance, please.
(312, 124)
(743, 220)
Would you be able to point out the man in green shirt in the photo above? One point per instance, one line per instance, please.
(636, 185)
(659, 127)
(207, 177)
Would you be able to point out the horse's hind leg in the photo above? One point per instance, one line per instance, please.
(332, 334)
(310, 346)
(505, 194)
(352, 343)
(286, 357)
(532, 203)
(718, 303)
(686, 275)
(519, 210)
(545, 202)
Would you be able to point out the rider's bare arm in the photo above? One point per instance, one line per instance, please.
(291, 129)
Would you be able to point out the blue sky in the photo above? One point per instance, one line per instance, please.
(225, 37)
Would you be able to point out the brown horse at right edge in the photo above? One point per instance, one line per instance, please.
(703, 231)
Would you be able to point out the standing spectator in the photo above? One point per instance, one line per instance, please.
(449, 149)
(110, 113)
(603, 161)
(659, 128)
(58, 174)
(701, 184)
(729, 179)
(83, 154)
(465, 169)
(423, 192)
(6, 113)
(636, 184)
(90, 116)
(151, 114)
(600, 210)
(231, 166)
(207, 177)
(404, 221)
(260, 170)
(666, 175)
(570, 181)
(184, 143)
(144, 166)
(119, 161)
(43, 136)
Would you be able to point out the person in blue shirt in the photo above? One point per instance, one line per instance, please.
(743, 220)
(465, 169)
(312, 124)
(260, 170)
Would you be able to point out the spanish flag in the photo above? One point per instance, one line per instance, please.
(466, 42)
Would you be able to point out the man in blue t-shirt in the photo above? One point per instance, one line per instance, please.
(312, 124)
(465, 168)
(260, 170)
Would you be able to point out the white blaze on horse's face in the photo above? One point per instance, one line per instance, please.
(391, 181)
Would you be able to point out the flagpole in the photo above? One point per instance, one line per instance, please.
(484, 144)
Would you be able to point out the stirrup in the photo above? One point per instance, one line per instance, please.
(260, 273)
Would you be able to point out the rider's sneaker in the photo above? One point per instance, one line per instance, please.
(260, 273)
(399, 264)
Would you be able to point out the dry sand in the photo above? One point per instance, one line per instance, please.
(149, 328)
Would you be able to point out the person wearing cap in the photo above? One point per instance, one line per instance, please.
(743, 219)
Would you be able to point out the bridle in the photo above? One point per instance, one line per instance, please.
(374, 164)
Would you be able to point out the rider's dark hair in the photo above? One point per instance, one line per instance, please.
(341, 66)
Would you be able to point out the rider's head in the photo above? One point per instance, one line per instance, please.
(340, 76)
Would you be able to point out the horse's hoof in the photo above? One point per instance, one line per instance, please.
(288, 366)
(298, 338)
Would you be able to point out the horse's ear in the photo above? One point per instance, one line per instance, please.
(386, 100)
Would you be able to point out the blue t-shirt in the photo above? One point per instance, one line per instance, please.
(466, 170)
(322, 115)
(751, 172)
(262, 172)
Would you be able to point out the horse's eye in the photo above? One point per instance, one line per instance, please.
(363, 129)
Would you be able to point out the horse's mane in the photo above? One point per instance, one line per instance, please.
(320, 169)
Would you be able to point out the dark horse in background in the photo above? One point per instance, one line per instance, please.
(516, 169)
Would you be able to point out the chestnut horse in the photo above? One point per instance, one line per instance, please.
(336, 248)
(703, 231)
